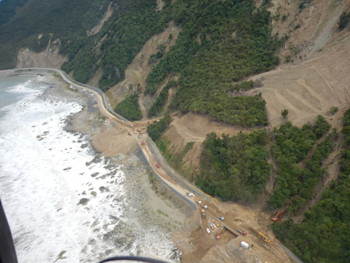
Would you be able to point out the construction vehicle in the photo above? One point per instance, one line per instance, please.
(203, 206)
(241, 232)
(203, 214)
(213, 226)
(217, 236)
(275, 218)
(265, 238)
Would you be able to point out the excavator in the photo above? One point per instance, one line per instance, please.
(275, 218)
(265, 238)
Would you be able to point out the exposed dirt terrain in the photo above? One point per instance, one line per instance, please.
(316, 79)
(137, 72)
(192, 127)
(194, 241)
(50, 57)
(104, 19)
(309, 88)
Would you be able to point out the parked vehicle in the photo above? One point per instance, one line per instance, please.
(241, 231)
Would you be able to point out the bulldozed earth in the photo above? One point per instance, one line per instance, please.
(312, 79)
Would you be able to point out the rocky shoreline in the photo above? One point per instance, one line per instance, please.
(150, 205)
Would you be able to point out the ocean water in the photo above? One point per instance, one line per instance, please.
(63, 203)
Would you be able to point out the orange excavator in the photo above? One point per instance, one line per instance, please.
(275, 218)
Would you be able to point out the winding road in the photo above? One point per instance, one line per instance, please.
(165, 173)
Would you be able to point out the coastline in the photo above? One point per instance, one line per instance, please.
(151, 203)
(143, 220)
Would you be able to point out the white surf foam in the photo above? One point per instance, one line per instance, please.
(62, 203)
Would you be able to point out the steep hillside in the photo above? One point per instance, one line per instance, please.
(312, 80)
(38, 22)
(273, 76)
(220, 43)
(315, 85)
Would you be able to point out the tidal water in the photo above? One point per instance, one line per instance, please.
(63, 204)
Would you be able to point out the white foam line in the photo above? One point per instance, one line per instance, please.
(43, 179)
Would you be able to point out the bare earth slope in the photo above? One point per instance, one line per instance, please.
(310, 88)
(318, 79)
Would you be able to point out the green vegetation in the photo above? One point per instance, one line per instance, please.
(8, 9)
(176, 159)
(155, 57)
(157, 107)
(234, 168)
(244, 86)
(344, 20)
(130, 108)
(122, 37)
(284, 113)
(324, 234)
(304, 3)
(64, 19)
(333, 110)
(134, 24)
(221, 43)
(242, 110)
(156, 129)
(295, 184)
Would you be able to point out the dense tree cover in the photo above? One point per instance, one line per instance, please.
(156, 129)
(130, 108)
(8, 9)
(344, 20)
(241, 110)
(243, 86)
(221, 42)
(132, 24)
(157, 107)
(295, 184)
(234, 168)
(64, 19)
(324, 234)
(135, 23)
